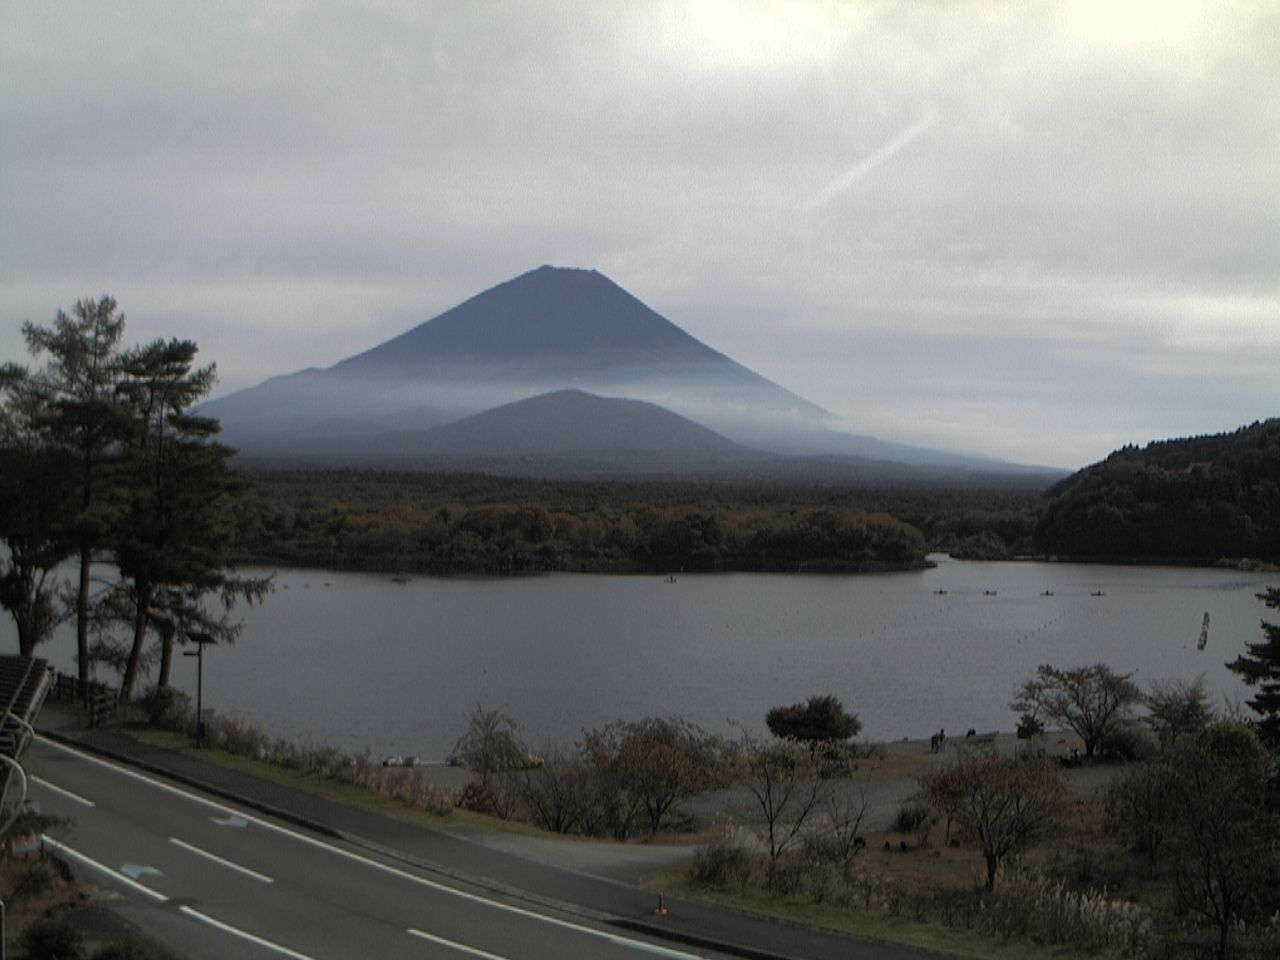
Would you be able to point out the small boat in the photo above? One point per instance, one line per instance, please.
(939, 593)
(1047, 593)
(988, 593)
(1204, 632)
(1097, 593)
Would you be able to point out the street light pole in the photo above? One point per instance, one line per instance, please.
(201, 640)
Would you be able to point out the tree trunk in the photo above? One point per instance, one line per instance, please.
(993, 862)
(139, 639)
(26, 638)
(168, 632)
(82, 623)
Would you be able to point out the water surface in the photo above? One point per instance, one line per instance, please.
(358, 660)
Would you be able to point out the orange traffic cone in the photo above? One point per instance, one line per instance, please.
(662, 907)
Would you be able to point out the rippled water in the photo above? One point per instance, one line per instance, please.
(362, 661)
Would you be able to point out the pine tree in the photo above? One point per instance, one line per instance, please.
(36, 495)
(85, 419)
(1261, 669)
(173, 545)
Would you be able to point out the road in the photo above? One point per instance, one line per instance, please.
(210, 881)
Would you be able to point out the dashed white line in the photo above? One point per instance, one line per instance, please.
(61, 790)
(132, 884)
(230, 865)
(612, 938)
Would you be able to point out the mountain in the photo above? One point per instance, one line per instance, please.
(545, 332)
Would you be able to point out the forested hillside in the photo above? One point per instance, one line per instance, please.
(1192, 500)
(412, 522)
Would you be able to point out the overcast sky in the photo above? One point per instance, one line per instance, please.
(1037, 231)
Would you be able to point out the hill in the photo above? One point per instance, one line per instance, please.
(1193, 500)
(567, 430)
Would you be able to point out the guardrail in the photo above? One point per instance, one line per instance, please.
(100, 701)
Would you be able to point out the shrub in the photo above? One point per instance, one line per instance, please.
(171, 709)
(726, 865)
(1029, 725)
(1028, 905)
(910, 817)
(52, 939)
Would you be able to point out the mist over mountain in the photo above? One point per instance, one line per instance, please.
(569, 333)
(567, 431)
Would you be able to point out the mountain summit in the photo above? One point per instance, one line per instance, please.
(546, 322)
(555, 328)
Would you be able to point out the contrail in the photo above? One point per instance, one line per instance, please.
(870, 162)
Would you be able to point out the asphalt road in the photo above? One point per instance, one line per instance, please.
(210, 881)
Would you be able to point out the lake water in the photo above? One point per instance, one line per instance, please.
(357, 660)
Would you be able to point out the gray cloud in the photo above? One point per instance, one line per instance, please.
(1033, 231)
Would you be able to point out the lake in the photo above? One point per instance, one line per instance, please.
(359, 660)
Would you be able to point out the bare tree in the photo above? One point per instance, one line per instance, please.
(1141, 806)
(650, 766)
(1225, 842)
(844, 828)
(1177, 708)
(562, 795)
(1093, 701)
(1004, 803)
(490, 744)
(782, 778)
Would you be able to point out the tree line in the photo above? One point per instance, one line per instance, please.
(104, 465)
(432, 523)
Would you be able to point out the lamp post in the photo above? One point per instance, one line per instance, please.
(201, 640)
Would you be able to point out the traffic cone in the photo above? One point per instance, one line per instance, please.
(662, 907)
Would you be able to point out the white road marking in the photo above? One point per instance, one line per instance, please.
(136, 871)
(62, 790)
(238, 822)
(192, 848)
(66, 851)
(462, 947)
(612, 938)
(76, 855)
(244, 934)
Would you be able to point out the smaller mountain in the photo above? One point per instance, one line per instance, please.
(1193, 500)
(550, 432)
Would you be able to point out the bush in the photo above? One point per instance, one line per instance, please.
(1030, 906)
(171, 709)
(1029, 725)
(726, 865)
(476, 797)
(52, 939)
(910, 817)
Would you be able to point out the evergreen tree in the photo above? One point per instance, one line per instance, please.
(173, 546)
(84, 418)
(1261, 669)
(35, 494)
